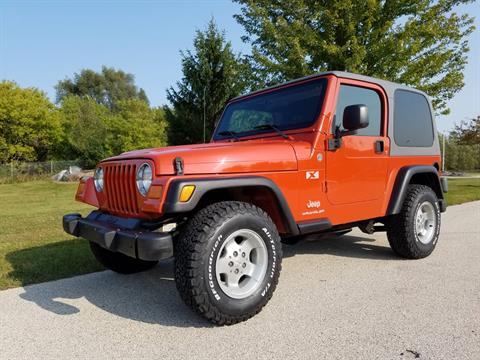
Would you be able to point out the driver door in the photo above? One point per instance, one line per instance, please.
(357, 170)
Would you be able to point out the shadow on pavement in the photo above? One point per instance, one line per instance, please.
(347, 246)
(152, 297)
(149, 297)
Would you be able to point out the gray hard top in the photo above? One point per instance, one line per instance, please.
(390, 88)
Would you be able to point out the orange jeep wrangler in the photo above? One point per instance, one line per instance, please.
(321, 154)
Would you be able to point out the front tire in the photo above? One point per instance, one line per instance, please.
(228, 261)
(120, 263)
(413, 234)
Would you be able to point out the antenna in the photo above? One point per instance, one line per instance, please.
(204, 112)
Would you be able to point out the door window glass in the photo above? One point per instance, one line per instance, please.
(354, 95)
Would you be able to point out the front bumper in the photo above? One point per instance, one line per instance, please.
(120, 235)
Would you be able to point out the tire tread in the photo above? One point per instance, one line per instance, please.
(191, 248)
(399, 228)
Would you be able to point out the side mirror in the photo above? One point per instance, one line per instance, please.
(355, 117)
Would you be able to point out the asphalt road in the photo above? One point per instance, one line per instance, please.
(345, 298)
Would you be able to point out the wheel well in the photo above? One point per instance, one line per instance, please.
(260, 196)
(416, 174)
(429, 179)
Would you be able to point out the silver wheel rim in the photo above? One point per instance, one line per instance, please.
(425, 222)
(241, 264)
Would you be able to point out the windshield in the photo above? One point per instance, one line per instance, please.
(293, 107)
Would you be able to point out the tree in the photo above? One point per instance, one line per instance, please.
(422, 43)
(135, 126)
(107, 87)
(468, 132)
(468, 157)
(29, 124)
(93, 131)
(212, 74)
(459, 155)
(84, 123)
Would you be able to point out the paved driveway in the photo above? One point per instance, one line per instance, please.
(338, 298)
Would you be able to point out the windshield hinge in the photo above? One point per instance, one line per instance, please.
(178, 165)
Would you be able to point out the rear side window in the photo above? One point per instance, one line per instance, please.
(413, 126)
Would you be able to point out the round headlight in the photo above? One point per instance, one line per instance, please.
(144, 179)
(98, 179)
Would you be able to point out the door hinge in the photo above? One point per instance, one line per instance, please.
(334, 144)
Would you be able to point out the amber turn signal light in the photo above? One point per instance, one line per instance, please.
(155, 192)
(186, 193)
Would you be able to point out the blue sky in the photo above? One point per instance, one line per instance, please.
(42, 42)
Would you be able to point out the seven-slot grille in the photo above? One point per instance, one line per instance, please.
(120, 188)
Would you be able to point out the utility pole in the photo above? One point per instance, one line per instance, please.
(204, 113)
(443, 153)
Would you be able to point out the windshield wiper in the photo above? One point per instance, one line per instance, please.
(229, 133)
(272, 127)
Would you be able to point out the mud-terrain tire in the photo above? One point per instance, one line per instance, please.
(118, 262)
(216, 242)
(413, 234)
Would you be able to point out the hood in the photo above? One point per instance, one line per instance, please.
(220, 158)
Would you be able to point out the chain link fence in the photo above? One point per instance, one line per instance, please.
(22, 171)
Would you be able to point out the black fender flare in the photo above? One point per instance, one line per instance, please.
(402, 181)
(203, 185)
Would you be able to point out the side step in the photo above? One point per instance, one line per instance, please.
(293, 240)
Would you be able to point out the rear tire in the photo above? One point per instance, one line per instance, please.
(118, 262)
(228, 261)
(413, 234)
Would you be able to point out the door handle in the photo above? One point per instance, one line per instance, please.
(379, 146)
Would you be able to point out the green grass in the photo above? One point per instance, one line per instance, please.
(34, 248)
(463, 190)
